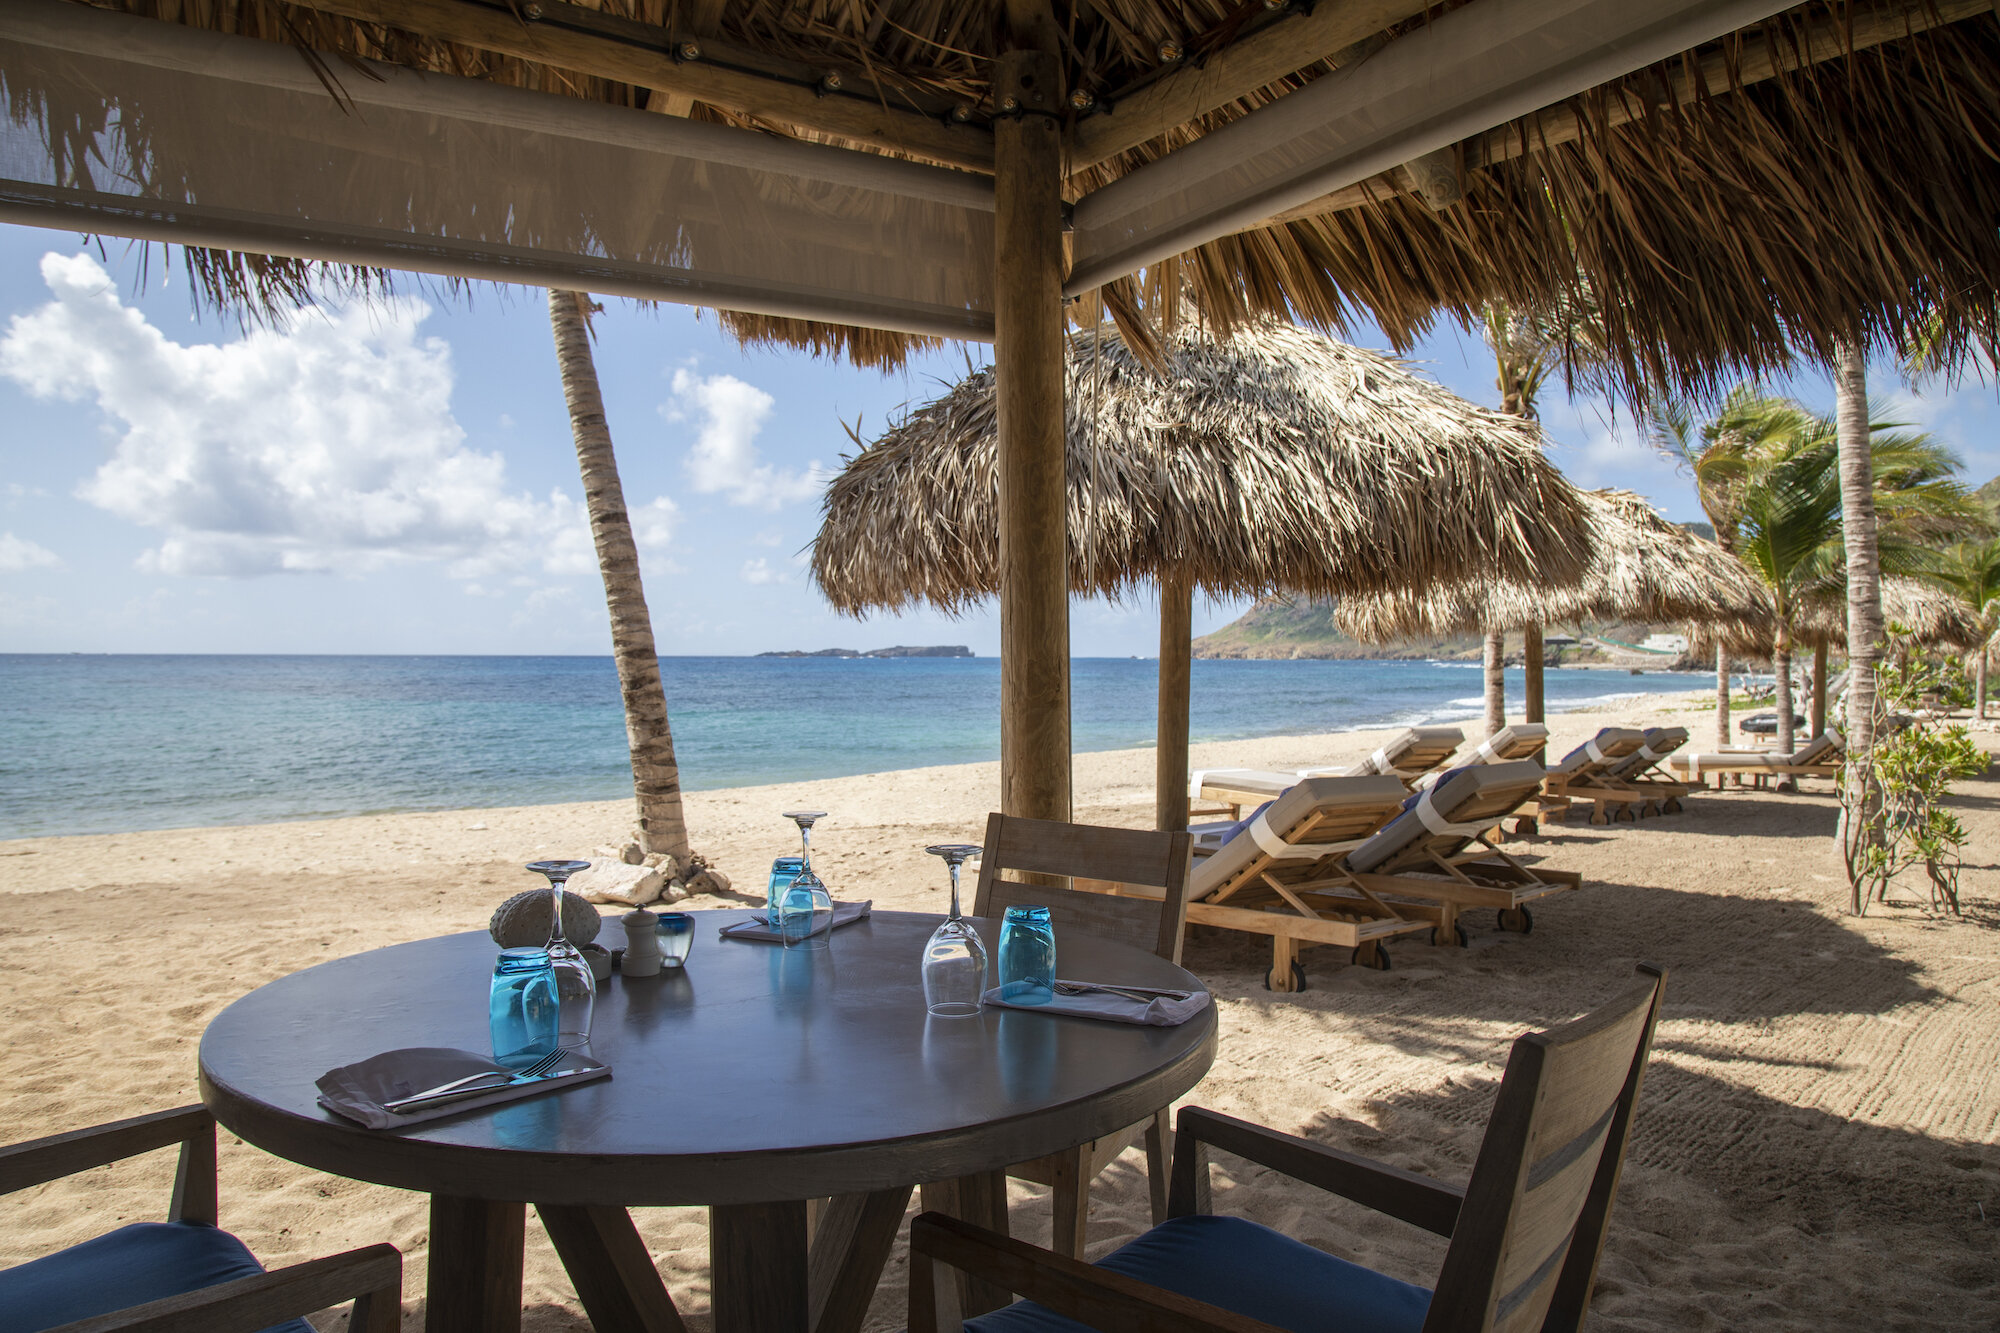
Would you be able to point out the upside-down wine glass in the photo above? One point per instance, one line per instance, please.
(955, 958)
(805, 908)
(576, 987)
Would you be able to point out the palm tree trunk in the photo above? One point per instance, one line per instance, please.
(1781, 661)
(1816, 715)
(1864, 572)
(1722, 718)
(1493, 658)
(1979, 683)
(656, 778)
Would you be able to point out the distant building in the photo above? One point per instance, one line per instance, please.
(1666, 643)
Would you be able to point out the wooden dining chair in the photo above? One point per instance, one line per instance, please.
(1129, 885)
(186, 1272)
(1527, 1230)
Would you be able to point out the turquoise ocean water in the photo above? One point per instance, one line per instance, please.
(93, 744)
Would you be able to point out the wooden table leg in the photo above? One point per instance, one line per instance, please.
(757, 1268)
(475, 1266)
(608, 1265)
(849, 1248)
(982, 1201)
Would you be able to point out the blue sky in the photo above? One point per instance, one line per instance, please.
(402, 480)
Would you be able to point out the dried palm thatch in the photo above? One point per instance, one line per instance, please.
(1934, 618)
(1825, 175)
(1268, 459)
(1646, 568)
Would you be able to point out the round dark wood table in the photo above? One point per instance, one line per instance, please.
(753, 1081)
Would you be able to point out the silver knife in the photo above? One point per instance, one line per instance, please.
(409, 1104)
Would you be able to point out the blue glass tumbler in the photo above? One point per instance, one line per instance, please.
(676, 932)
(783, 871)
(522, 1007)
(1027, 956)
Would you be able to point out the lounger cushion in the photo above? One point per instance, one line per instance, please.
(1455, 789)
(1660, 742)
(147, 1261)
(1251, 1270)
(1208, 837)
(1285, 814)
(1579, 758)
(1390, 755)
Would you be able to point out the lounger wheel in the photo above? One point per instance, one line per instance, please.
(1372, 955)
(1517, 919)
(1672, 806)
(1288, 985)
(1459, 937)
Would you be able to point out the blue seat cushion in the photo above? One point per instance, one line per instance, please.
(1251, 1270)
(130, 1266)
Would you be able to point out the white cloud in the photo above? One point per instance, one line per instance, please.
(653, 524)
(760, 571)
(18, 555)
(725, 459)
(329, 446)
(1595, 449)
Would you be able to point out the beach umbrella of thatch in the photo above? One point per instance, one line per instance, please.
(1272, 459)
(1646, 568)
(1934, 618)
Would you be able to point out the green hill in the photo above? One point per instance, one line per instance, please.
(1302, 627)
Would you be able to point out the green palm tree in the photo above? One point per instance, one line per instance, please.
(1971, 570)
(1722, 453)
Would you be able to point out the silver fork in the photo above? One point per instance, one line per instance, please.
(542, 1066)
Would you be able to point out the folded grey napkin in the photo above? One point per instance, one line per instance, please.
(1159, 1013)
(357, 1091)
(844, 914)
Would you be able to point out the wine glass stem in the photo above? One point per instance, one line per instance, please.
(806, 847)
(954, 890)
(556, 939)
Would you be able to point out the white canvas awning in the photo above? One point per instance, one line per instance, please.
(128, 126)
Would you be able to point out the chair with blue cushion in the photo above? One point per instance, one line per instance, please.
(1526, 1230)
(185, 1273)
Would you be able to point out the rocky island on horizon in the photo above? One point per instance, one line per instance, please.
(939, 650)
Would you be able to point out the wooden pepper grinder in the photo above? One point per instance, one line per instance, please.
(642, 944)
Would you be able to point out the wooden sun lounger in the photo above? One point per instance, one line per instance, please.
(1279, 876)
(1415, 754)
(1439, 856)
(1583, 775)
(1821, 757)
(1643, 774)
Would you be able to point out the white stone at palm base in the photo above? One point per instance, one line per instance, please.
(709, 880)
(616, 882)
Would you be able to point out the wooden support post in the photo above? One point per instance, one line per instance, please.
(982, 1201)
(475, 1266)
(1531, 648)
(610, 1268)
(1028, 365)
(1170, 764)
(757, 1262)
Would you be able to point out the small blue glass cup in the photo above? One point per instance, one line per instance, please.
(1027, 956)
(676, 932)
(784, 870)
(522, 1008)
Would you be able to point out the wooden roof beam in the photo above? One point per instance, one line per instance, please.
(588, 42)
(1268, 54)
(1756, 60)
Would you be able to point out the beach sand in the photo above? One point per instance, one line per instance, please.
(1816, 1148)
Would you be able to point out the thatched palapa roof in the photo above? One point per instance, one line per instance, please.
(1268, 459)
(1825, 173)
(1645, 568)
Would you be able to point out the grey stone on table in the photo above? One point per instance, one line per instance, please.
(522, 922)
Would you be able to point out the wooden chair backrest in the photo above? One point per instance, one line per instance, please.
(1494, 803)
(1525, 1252)
(1110, 858)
